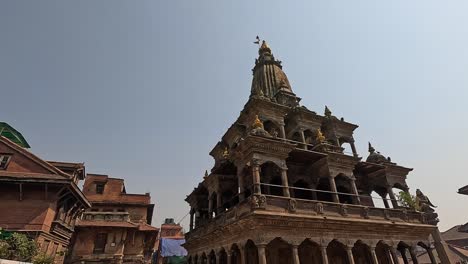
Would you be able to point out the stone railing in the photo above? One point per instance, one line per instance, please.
(299, 207)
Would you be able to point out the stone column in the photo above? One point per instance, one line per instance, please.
(353, 148)
(335, 197)
(256, 178)
(229, 257)
(349, 251)
(375, 260)
(282, 132)
(323, 250)
(295, 254)
(413, 255)
(384, 199)
(301, 132)
(191, 220)
(219, 203)
(392, 197)
(403, 255)
(357, 199)
(218, 256)
(210, 207)
(441, 247)
(242, 253)
(431, 255)
(261, 254)
(240, 180)
(284, 182)
(394, 255)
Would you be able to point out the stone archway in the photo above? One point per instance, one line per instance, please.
(383, 253)
(361, 253)
(279, 251)
(309, 253)
(212, 257)
(251, 253)
(235, 255)
(223, 257)
(336, 252)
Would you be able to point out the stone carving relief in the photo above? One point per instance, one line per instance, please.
(292, 205)
(258, 201)
(319, 208)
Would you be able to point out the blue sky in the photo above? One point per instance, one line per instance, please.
(143, 90)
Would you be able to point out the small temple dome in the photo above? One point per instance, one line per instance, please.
(375, 156)
(268, 76)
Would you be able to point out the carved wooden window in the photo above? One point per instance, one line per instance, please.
(4, 160)
(100, 243)
(99, 188)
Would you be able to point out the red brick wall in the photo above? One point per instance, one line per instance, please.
(20, 163)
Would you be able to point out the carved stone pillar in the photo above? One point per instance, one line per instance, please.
(229, 257)
(301, 132)
(334, 194)
(356, 197)
(191, 220)
(295, 254)
(431, 255)
(219, 203)
(413, 255)
(385, 201)
(353, 148)
(349, 252)
(392, 197)
(441, 247)
(256, 178)
(218, 256)
(210, 207)
(242, 253)
(284, 182)
(282, 132)
(240, 179)
(261, 254)
(394, 255)
(403, 255)
(375, 260)
(323, 250)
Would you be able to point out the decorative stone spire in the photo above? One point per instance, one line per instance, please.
(371, 149)
(327, 113)
(269, 81)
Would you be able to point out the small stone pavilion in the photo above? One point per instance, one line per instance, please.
(283, 190)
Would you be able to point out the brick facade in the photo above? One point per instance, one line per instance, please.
(117, 228)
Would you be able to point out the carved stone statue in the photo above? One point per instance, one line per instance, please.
(424, 203)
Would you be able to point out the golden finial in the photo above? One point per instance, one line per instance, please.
(257, 123)
(264, 48)
(226, 153)
(320, 137)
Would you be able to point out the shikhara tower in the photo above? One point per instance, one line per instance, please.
(283, 190)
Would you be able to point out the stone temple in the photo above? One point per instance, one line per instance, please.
(283, 190)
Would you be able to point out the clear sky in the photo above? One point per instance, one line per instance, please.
(143, 90)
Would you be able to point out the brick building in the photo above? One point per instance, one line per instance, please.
(37, 197)
(169, 229)
(117, 228)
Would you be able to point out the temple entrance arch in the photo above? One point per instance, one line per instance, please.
(336, 252)
(361, 253)
(251, 253)
(279, 251)
(309, 253)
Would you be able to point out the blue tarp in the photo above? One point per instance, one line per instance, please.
(172, 247)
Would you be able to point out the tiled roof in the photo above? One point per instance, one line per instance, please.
(454, 234)
(105, 224)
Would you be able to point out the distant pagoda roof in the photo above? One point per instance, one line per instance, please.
(12, 134)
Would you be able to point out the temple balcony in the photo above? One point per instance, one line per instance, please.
(281, 207)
